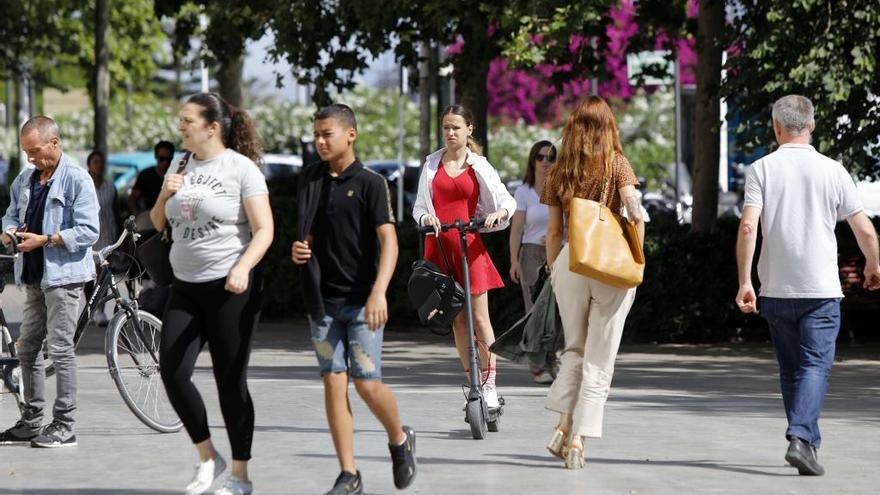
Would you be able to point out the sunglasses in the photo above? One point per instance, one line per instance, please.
(163, 158)
(541, 157)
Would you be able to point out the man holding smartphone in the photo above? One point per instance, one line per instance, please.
(53, 211)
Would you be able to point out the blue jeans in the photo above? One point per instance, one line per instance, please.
(804, 332)
(344, 342)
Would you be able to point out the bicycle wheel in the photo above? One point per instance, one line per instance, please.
(132, 359)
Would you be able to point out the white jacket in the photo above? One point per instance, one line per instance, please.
(493, 192)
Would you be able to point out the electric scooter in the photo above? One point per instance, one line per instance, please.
(478, 415)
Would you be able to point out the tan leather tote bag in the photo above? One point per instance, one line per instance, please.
(603, 245)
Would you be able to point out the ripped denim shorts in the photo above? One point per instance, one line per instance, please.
(344, 342)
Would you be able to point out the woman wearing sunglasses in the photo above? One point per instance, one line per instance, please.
(528, 229)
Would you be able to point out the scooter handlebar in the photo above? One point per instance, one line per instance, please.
(471, 225)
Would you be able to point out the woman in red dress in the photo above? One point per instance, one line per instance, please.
(457, 184)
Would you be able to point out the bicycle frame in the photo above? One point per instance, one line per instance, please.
(105, 291)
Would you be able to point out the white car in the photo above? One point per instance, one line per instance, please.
(277, 165)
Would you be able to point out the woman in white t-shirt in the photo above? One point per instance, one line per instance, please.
(528, 229)
(217, 205)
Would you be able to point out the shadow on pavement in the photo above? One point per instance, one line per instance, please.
(762, 470)
(84, 491)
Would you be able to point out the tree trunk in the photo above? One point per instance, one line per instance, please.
(425, 69)
(229, 77)
(102, 74)
(22, 116)
(472, 71)
(707, 147)
(10, 100)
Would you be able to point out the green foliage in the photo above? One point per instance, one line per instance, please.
(151, 121)
(647, 132)
(689, 286)
(645, 125)
(825, 51)
(542, 31)
(49, 36)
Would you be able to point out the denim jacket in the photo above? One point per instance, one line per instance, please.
(71, 211)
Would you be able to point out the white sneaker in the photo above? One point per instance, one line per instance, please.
(206, 473)
(235, 486)
(544, 378)
(490, 395)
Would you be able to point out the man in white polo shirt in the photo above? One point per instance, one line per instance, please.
(799, 195)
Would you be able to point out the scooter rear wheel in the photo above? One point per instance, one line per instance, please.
(477, 419)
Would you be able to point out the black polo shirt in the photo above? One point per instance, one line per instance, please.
(345, 243)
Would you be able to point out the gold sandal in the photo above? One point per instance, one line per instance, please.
(556, 446)
(574, 457)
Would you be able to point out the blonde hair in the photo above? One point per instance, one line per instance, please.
(590, 144)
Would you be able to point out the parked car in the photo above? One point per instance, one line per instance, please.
(279, 165)
(512, 185)
(123, 168)
(389, 168)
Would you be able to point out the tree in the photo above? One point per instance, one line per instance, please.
(826, 51)
(707, 146)
(230, 25)
(102, 74)
(329, 44)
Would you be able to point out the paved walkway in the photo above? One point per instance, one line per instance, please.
(681, 420)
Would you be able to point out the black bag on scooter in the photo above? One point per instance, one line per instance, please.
(437, 297)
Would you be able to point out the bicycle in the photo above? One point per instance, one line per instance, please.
(9, 371)
(131, 345)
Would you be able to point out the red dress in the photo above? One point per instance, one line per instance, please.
(456, 199)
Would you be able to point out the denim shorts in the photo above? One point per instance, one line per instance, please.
(344, 342)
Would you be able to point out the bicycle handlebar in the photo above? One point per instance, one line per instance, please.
(471, 225)
(13, 247)
(129, 229)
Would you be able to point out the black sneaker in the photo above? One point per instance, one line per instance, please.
(347, 484)
(20, 433)
(803, 456)
(54, 436)
(403, 459)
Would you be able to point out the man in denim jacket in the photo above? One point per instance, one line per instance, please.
(53, 211)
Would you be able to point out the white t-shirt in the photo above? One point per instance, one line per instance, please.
(537, 214)
(802, 195)
(208, 221)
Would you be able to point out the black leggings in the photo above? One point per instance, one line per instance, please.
(199, 313)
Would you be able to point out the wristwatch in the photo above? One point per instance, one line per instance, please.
(50, 243)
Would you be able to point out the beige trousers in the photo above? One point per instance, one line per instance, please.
(593, 315)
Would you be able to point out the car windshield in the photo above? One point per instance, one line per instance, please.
(115, 170)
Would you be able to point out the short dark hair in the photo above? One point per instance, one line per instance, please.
(342, 113)
(94, 154)
(164, 145)
(44, 126)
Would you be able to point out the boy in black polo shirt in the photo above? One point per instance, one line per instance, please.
(345, 223)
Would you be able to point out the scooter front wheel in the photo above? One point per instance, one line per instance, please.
(477, 418)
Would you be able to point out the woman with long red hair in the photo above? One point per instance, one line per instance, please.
(590, 165)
